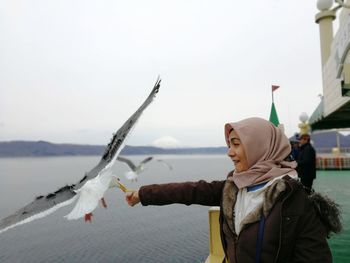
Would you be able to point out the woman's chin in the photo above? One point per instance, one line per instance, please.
(239, 168)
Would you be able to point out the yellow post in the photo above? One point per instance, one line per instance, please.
(325, 20)
(216, 253)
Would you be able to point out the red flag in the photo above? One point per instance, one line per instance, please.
(274, 87)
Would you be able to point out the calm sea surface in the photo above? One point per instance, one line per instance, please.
(175, 233)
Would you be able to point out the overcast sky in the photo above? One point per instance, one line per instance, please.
(74, 71)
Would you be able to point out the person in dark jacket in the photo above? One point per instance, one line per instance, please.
(295, 149)
(306, 162)
(265, 213)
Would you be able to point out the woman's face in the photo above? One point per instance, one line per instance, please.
(236, 152)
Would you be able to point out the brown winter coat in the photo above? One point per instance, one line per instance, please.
(293, 230)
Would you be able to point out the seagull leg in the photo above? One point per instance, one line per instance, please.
(88, 217)
(103, 202)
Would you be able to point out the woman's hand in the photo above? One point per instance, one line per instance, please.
(132, 197)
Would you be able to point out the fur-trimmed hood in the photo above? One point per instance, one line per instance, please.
(329, 212)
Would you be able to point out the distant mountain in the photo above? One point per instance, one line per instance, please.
(329, 140)
(134, 150)
(43, 148)
(323, 142)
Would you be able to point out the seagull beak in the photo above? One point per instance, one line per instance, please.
(122, 187)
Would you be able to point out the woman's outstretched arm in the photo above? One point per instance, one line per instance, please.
(201, 193)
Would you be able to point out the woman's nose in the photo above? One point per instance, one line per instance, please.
(230, 151)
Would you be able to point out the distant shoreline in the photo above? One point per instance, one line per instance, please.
(47, 149)
(323, 143)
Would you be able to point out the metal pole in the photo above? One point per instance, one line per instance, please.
(338, 141)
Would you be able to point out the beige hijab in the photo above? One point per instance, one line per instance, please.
(265, 146)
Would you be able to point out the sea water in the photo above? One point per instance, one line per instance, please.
(174, 233)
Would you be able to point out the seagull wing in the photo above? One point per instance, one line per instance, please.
(166, 163)
(39, 208)
(101, 174)
(128, 162)
(45, 205)
(115, 146)
(146, 160)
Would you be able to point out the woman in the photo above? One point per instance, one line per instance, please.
(265, 215)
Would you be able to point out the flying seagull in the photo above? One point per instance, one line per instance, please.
(165, 163)
(135, 169)
(95, 182)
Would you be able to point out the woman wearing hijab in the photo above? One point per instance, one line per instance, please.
(265, 213)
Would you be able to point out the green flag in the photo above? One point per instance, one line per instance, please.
(273, 115)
